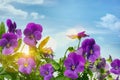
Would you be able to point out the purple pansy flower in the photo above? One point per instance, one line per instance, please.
(46, 71)
(26, 65)
(115, 67)
(82, 34)
(74, 64)
(8, 43)
(91, 49)
(101, 64)
(12, 28)
(32, 33)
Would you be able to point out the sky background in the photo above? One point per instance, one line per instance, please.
(99, 18)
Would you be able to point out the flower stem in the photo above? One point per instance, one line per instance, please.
(79, 43)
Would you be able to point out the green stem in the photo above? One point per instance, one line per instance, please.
(79, 43)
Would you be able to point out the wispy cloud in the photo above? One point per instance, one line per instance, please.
(8, 10)
(110, 21)
(36, 15)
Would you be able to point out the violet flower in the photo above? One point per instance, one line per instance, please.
(26, 65)
(115, 67)
(91, 49)
(46, 71)
(74, 64)
(101, 64)
(32, 33)
(8, 42)
(12, 28)
(78, 35)
(82, 34)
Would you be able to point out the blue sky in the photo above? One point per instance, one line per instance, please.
(99, 18)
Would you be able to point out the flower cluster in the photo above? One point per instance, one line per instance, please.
(81, 62)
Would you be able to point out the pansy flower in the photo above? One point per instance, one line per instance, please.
(46, 71)
(115, 66)
(12, 28)
(78, 35)
(90, 49)
(26, 65)
(8, 42)
(74, 64)
(32, 33)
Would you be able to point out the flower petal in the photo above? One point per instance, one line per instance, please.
(19, 33)
(21, 61)
(37, 35)
(48, 77)
(31, 62)
(28, 69)
(68, 63)
(7, 51)
(13, 43)
(3, 42)
(71, 74)
(9, 36)
(29, 41)
(27, 32)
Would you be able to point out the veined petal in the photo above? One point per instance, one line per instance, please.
(37, 35)
(13, 43)
(7, 51)
(27, 32)
(29, 41)
(3, 42)
(71, 74)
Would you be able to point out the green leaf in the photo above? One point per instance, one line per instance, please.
(71, 49)
(61, 77)
(54, 63)
(109, 59)
(2, 29)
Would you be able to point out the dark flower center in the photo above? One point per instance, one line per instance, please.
(31, 36)
(91, 51)
(46, 72)
(8, 45)
(73, 67)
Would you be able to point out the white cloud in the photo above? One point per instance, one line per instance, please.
(23, 1)
(8, 10)
(110, 21)
(36, 15)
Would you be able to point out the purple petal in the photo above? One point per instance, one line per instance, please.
(115, 63)
(71, 74)
(3, 42)
(29, 41)
(28, 69)
(37, 35)
(9, 22)
(31, 62)
(79, 51)
(115, 71)
(21, 68)
(19, 33)
(9, 36)
(68, 63)
(27, 32)
(7, 51)
(39, 27)
(79, 68)
(21, 61)
(13, 43)
(48, 77)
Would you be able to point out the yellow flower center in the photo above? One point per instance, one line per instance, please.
(91, 51)
(31, 36)
(73, 67)
(8, 45)
(25, 64)
(46, 72)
